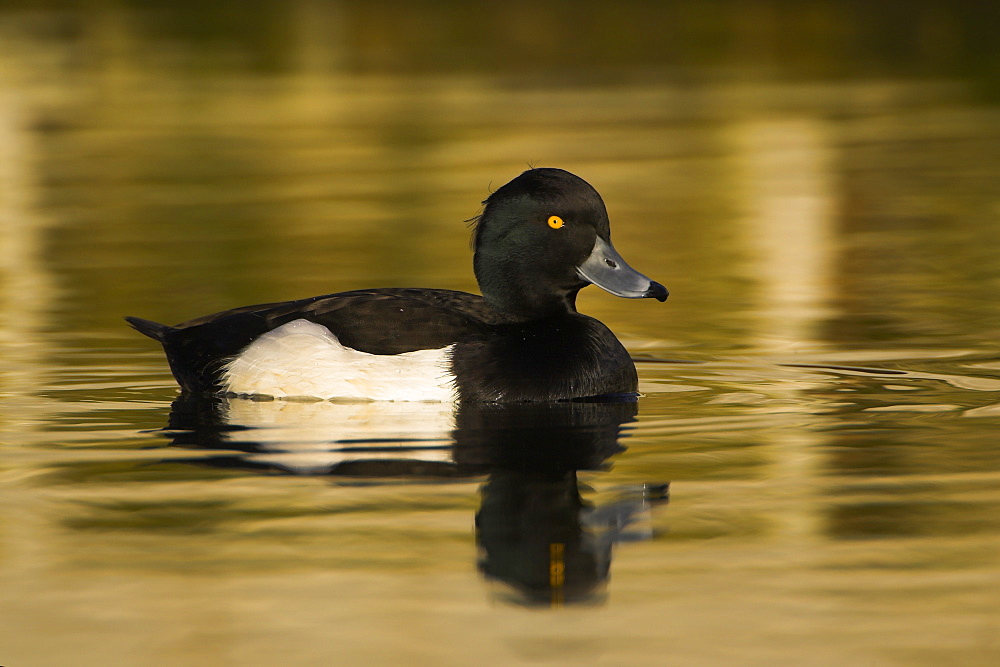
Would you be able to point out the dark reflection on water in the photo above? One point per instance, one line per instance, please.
(535, 532)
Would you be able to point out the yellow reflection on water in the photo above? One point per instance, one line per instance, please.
(790, 198)
(27, 285)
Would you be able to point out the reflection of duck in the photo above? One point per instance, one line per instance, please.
(540, 239)
(556, 436)
(537, 535)
(371, 438)
(535, 532)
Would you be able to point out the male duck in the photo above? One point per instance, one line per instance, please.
(540, 239)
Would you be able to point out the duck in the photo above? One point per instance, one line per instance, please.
(539, 240)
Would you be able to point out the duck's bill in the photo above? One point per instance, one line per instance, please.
(606, 269)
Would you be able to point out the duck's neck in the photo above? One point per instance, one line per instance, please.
(531, 308)
(522, 295)
(526, 302)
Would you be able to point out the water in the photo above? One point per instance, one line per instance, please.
(810, 477)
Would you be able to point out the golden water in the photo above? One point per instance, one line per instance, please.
(821, 391)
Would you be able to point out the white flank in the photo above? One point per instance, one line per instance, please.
(303, 359)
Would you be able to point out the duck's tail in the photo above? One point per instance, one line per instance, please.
(154, 330)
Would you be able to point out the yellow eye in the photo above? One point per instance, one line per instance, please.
(555, 222)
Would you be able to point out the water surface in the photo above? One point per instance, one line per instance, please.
(821, 392)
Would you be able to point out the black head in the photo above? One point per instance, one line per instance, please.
(544, 236)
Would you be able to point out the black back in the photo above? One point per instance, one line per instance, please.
(376, 321)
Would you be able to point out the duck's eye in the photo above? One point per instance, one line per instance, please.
(555, 222)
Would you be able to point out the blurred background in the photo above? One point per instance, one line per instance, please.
(784, 167)
(816, 182)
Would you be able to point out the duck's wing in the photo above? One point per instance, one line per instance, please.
(376, 321)
(393, 321)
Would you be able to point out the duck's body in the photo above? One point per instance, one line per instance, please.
(395, 344)
(540, 239)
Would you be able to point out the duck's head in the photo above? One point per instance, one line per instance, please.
(543, 237)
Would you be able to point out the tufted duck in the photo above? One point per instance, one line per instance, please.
(540, 239)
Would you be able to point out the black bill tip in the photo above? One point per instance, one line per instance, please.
(656, 291)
